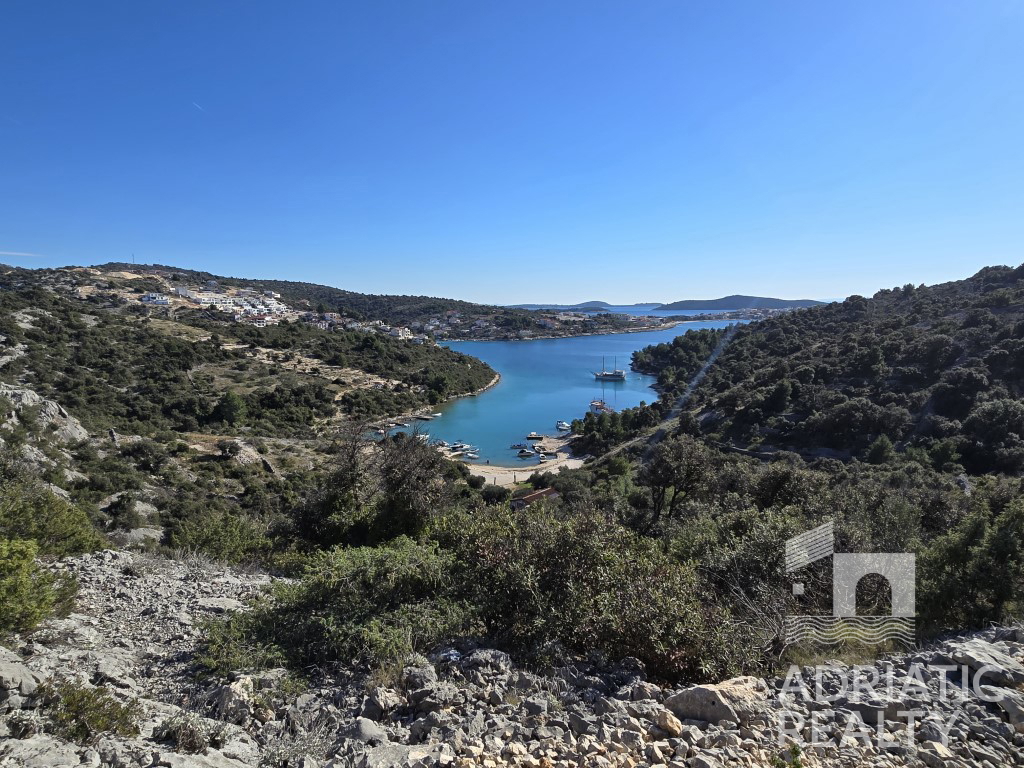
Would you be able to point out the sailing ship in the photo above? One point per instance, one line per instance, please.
(616, 374)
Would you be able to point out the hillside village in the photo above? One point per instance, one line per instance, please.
(160, 289)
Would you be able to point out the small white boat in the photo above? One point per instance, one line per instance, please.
(543, 457)
(535, 436)
(563, 426)
(471, 455)
(441, 444)
(401, 424)
(526, 454)
(437, 415)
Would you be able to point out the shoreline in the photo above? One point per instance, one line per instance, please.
(663, 327)
(510, 474)
(384, 421)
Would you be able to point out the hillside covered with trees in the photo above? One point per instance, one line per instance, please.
(931, 372)
(670, 551)
(741, 302)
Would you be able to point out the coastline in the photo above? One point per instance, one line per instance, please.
(490, 385)
(494, 474)
(384, 421)
(662, 327)
(510, 474)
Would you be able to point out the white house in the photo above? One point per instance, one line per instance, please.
(154, 298)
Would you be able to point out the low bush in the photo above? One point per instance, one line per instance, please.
(369, 605)
(28, 593)
(82, 713)
(31, 512)
(221, 535)
(190, 733)
(553, 583)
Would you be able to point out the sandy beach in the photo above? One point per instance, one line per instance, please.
(510, 475)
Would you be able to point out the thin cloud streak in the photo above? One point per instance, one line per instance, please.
(25, 255)
(198, 107)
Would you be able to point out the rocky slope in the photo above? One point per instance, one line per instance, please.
(134, 633)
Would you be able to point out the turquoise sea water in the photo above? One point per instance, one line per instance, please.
(542, 381)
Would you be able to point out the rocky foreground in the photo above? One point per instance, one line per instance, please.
(135, 631)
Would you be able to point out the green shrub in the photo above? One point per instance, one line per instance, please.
(495, 494)
(546, 581)
(82, 713)
(243, 642)
(370, 605)
(28, 593)
(190, 733)
(374, 604)
(981, 561)
(223, 536)
(30, 512)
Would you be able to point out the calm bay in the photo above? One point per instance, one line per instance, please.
(543, 381)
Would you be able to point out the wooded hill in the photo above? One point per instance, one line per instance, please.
(934, 372)
(741, 302)
(117, 368)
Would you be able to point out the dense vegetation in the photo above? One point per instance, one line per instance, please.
(931, 372)
(894, 416)
(35, 523)
(741, 302)
(138, 376)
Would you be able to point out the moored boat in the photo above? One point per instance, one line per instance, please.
(563, 426)
(535, 436)
(616, 374)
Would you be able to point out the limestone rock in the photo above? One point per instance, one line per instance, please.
(234, 702)
(977, 654)
(39, 751)
(15, 676)
(735, 700)
(51, 415)
(668, 722)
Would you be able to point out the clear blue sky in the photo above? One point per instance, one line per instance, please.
(514, 151)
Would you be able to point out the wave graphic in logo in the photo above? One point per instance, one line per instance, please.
(836, 630)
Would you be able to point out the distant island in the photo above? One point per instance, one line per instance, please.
(585, 306)
(742, 302)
